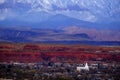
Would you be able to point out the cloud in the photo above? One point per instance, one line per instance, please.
(2, 1)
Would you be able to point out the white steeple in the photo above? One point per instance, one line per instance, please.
(86, 67)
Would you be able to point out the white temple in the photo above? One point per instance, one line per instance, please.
(86, 67)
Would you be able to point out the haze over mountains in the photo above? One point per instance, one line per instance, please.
(85, 19)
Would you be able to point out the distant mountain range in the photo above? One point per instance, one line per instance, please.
(17, 35)
(86, 10)
(59, 20)
(47, 21)
(54, 14)
(51, 36)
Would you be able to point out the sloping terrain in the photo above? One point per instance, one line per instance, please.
(14, 35)
(57, 53)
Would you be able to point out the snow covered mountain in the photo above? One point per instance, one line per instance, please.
(100, 19)
(87, 10)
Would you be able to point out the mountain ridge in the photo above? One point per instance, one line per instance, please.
(35, 36)
(58, 22)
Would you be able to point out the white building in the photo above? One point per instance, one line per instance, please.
(86, 67)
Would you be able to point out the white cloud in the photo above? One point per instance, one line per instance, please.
(2, 1)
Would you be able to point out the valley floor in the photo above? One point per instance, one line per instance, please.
(27, 61)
